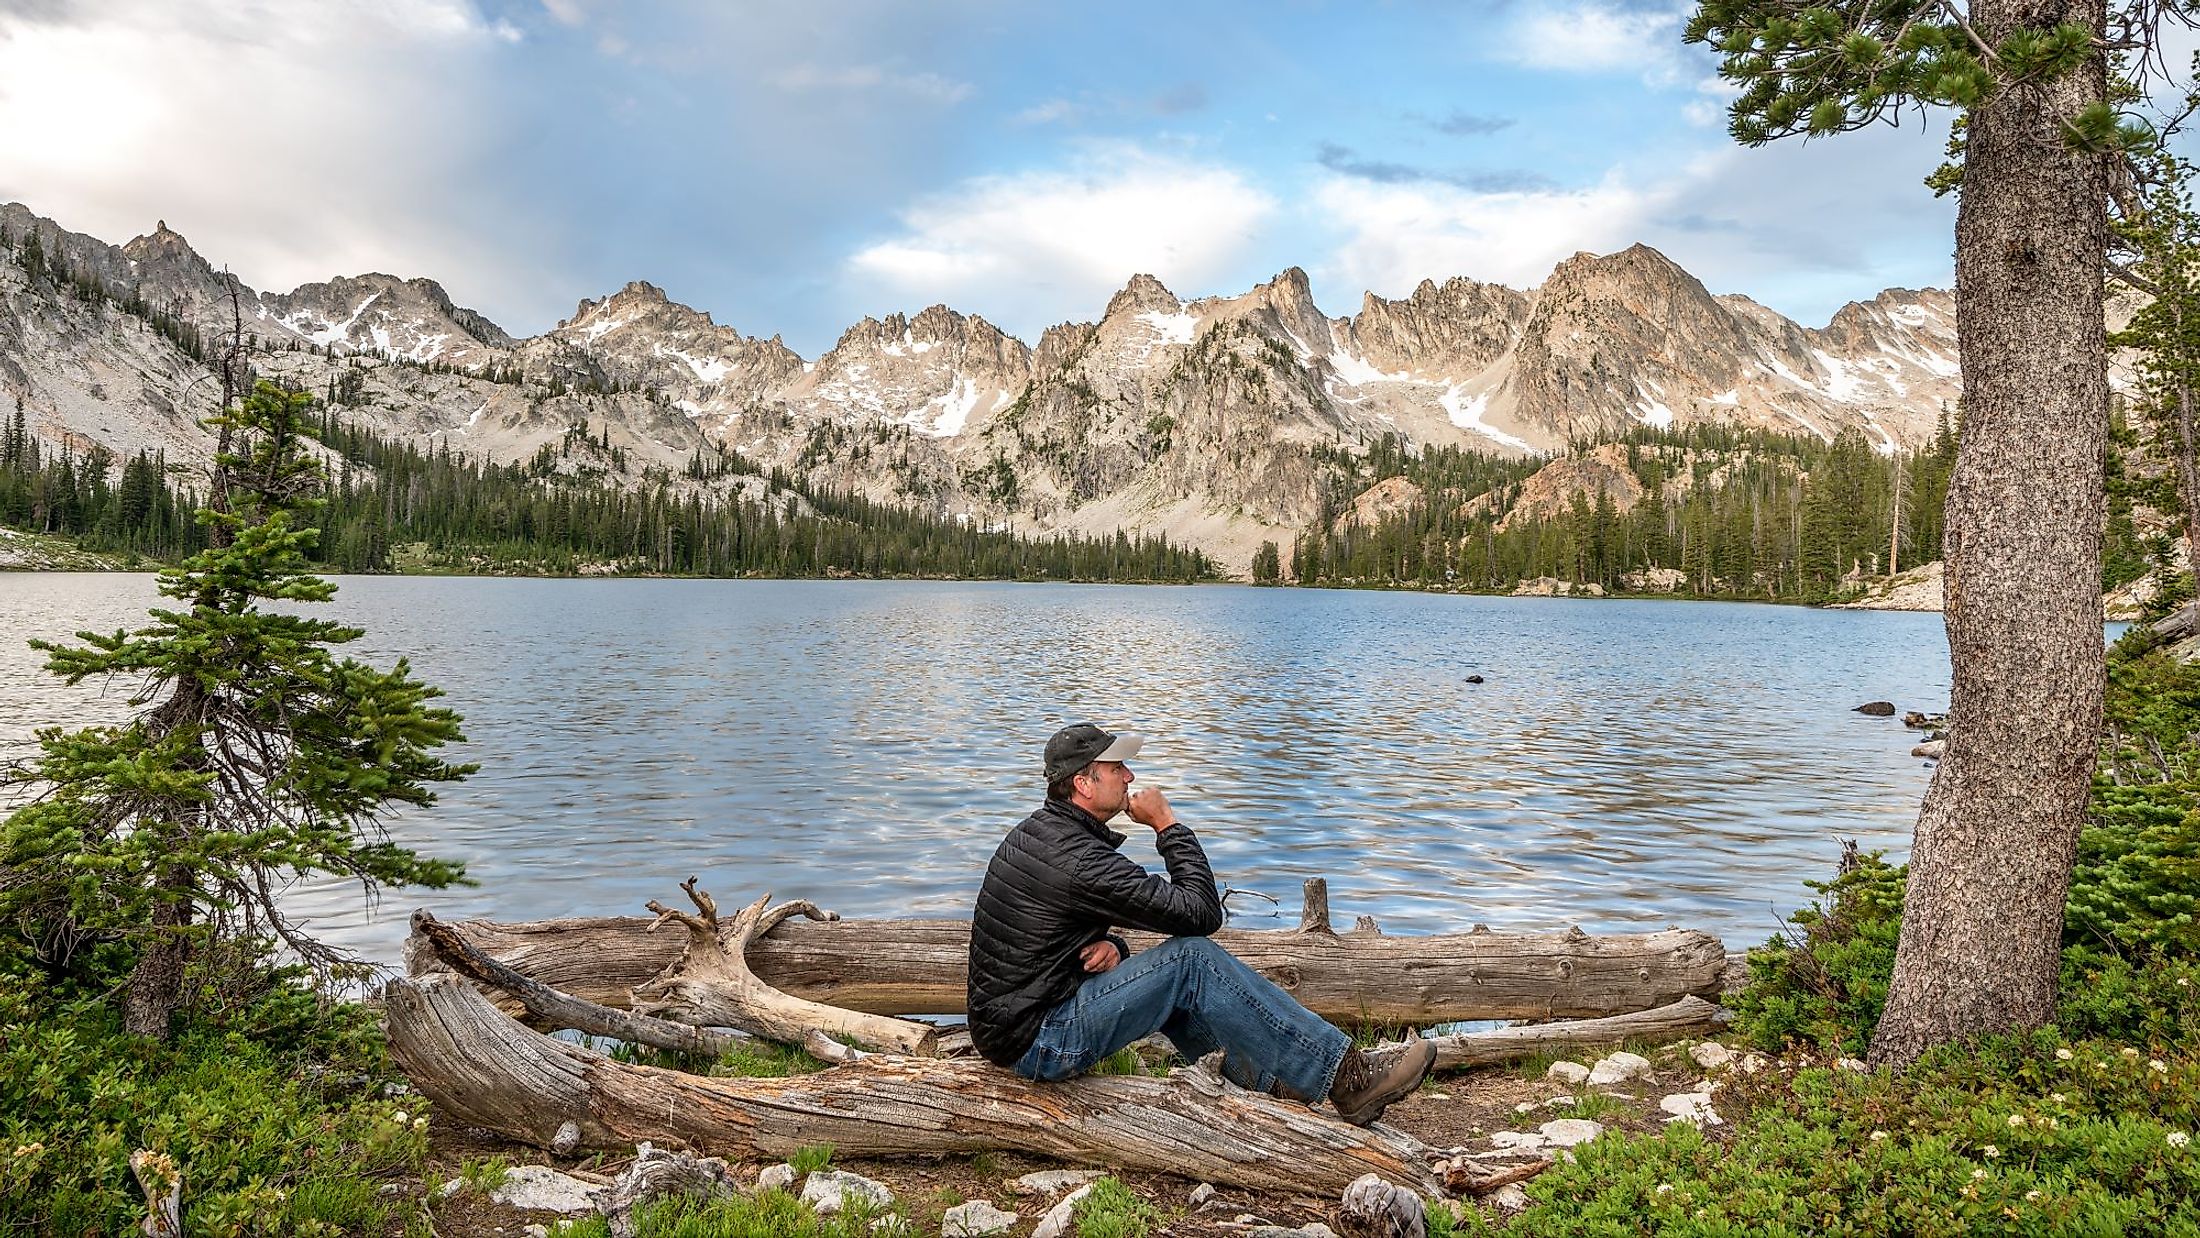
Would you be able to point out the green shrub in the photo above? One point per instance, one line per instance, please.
(1109, 1210)
(1827, 984)
(810, 1158)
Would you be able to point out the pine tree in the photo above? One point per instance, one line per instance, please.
(257, 754)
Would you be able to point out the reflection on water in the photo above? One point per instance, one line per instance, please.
(1625, 765)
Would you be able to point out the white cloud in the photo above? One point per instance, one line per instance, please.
(1589, 36)
(1039, 247)
(291, 142)
(1800, 226)
(929, 86)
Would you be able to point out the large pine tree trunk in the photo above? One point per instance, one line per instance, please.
(1998, 831)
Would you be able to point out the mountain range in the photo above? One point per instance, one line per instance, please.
(1215, 420)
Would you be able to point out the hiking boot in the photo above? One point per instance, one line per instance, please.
(1368, 1081)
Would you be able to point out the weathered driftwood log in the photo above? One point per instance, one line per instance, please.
(710, 984)
(1685, 1017)
(486, 1070)
(918, 966)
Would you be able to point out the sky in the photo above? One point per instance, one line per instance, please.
(792, 167)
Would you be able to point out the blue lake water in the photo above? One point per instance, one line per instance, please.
(1625, 764)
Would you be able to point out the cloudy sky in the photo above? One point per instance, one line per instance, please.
(791, 167)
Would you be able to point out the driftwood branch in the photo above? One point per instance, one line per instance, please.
(486, 1070)
(711, 985)
(1509, 1044)
(919, 966)
(162, 1182)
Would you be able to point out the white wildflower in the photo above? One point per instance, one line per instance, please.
(2016, 1119)
(2063, 1055)
(2130, 1052)
(2031, 1195)
(2156, 1065)
(1978, 1175)
(1878, 1135)
(1992, 1153)
(2057, 1097)
(2178, 1139)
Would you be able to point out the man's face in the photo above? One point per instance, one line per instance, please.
(1105, 787)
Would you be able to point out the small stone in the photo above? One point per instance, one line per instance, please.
(775, 1178)
(1052, 1181)
(1056, 1223)
(1876, 709)
(1851, 1064)
(536, 1231)
(829, 1190)
(1312, 1229)
(1435, 1096)
(1557, 1102)
(1693, 1108)
(1526, 1106)
(1512, 1197)
(539, 1188)
(976, 1219)
(1566, 1132)
(1516, 1139)
(448, 1189)
(1570, 1072)
(1711, 1055)
(1752, 1064)
(1201, 1194)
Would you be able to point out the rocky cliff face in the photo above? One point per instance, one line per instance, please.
(1208, 419)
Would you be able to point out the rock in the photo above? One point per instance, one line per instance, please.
(976, 1219)
(1056, 1223)
(1312, 1229)
(1618, 1068)
(775, 1178)
(1931, 749)
(1571, 1072)
(1373, 1208)
(1877, 709)
(1202, 1195)
(1512, 1197)
(1751, 1064)
(1053, 1181)
(448, 1189)
(536, 1231)
(1654, 580)
(829, 1190)
(1516, 1139)
(1852, 1064)
(1474, 679)
(1693, 1108)
(1560, 1102)
(1924, 722)
(1711, 1055)
(1567, 1132)
(539, 1188)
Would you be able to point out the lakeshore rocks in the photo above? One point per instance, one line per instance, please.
(1553, 587)
(1569, 1072)
(1618, 1068)
(1654, 580)
(775, 1178)
(1876, 709)
(1053, 1181)
(829, 1190)
(1711, 1055)
(1693, 1108)
(1056, 1223)
(1931, 750)
(1569, 1132)
(539, 1188)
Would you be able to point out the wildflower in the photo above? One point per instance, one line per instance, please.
(2178, 1139)
(420, 1123)
(1665, 1188)
(2183, 983)
(1992, 1153)
(2016, 1119)
(2031, 1195)
(2130, 1052)
(2063, 1055)
(29, 1149)
(1878, 1135)
(1978, 1175)
(2057, 1097)
(2156, 1065)
(399, 1117)
(2053, 1125)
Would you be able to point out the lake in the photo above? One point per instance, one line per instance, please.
(1625, 765)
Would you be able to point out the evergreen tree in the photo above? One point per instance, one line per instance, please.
(257, 755)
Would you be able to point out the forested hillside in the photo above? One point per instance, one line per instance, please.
(391, 505)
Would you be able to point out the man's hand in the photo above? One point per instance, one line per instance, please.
(1100, 956)
(1148, 807)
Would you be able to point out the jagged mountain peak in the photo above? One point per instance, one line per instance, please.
(1143, 294)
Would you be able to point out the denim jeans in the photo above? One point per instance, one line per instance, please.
(1199, 996)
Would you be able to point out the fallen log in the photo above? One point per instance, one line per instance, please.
(919, 966)
(486, 1070)
(1685, 1017)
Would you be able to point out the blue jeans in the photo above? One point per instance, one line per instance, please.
(1203, 999)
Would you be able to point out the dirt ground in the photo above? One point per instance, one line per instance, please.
(1451, 1111)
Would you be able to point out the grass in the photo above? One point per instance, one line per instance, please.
(810, 1158)
(770, 1214)
(1109, 1210)
(484, 1174)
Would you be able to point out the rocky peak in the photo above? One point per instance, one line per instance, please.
(1144, 294)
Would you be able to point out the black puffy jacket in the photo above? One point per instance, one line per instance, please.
(1056, 885)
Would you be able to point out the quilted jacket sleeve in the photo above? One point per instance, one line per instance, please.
(1108, 885)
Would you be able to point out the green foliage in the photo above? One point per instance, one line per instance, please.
(810, 1158)
(2018, 1135)
(273, 1112)
(261, 756)
(483, 1174)
(1827, 983)
(770, 1214)
(1109, 1210)
(1267, 564)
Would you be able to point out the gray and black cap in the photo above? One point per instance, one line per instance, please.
(1075, 747)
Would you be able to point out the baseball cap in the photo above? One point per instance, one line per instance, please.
(1075, 747)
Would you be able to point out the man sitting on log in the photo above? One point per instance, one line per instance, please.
(1052, 992)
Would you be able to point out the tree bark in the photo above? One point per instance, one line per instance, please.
(920, 966)
(1998, 831)
(485, 1070)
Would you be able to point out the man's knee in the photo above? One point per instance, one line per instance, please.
(1188, 948)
